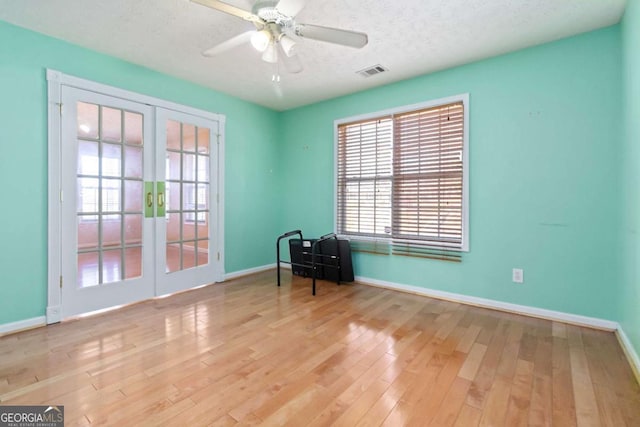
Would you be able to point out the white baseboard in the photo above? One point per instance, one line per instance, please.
(236, 274)
(542, 313)
(629, 351)
(21, 325)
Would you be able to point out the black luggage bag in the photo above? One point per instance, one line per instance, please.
(300, 250)
(327, 253)
(330, 248)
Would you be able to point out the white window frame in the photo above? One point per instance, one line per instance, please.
(464, 98)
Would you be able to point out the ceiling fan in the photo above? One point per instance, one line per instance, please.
(277, 31)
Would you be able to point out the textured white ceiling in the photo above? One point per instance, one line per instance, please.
(409, 37)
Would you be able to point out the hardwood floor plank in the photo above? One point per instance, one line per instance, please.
(509, 359)
(384, 405)
(284, 395)
(410, 402)
(362, 404)
(469, 338)
(38, 393)
(541, 410)
(326, 406)
(289, 409)
(488, 322)
(4, 385)
(520, 397)
(472, 362)
(611, 414)
(495, 410)
(564, 409)
(146, 404)
(449, 410)
(528, 347)
(487, 371)
(345, 399)
(468, 417)
(559, 330)
(430, 402)
(587, 413)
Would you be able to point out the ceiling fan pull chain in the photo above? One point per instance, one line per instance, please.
(276, 75)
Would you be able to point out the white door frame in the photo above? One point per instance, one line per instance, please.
(56, 80)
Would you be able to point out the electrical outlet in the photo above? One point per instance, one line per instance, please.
(517, 275)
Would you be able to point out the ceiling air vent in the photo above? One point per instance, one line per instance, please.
(372, 71)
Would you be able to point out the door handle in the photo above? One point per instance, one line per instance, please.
(160, 207)
(148, 203)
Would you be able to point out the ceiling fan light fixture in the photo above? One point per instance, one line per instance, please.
(270, 55)
(288, 45)
(261, 40)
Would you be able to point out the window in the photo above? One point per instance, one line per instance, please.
(193, 193)
(90, 187)
(196, 194)
(401, 176)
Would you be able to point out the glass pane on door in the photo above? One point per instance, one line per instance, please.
(187, 194)
(109, 194)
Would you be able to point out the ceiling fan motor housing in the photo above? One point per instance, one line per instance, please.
(267, 11)
(260, 4)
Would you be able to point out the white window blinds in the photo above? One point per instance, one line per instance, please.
(365, 178)
(401, 177)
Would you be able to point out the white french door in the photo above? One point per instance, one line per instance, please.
(138, 213)
(107, 243)
(187, 159)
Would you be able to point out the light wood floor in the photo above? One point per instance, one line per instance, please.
(248, 353)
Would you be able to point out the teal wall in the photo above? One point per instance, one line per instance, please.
(251, 157)
(544, 173)
(630, 286)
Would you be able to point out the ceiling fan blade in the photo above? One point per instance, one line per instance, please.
(291, 7)
(332, 35)
(226, 45)
(231, 10)
(291, 63)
